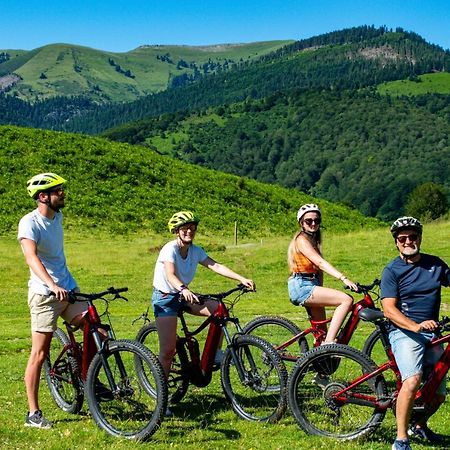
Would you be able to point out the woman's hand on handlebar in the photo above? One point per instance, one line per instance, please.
(351, 285)
(189, 296)
(250, 284)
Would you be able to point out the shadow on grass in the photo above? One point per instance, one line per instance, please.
(201, 413)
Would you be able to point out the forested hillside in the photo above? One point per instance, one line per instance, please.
(69, 70)
(348, 59)
(119, 188)
(362, 149)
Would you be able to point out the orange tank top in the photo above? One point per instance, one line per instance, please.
(303, 265)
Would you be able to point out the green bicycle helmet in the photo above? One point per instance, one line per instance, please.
(406, 222)
(43, 182)
(181, 218)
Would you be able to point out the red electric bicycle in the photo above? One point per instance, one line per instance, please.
(353, 397)
(250, 365)
(292, 343)
(104, 369)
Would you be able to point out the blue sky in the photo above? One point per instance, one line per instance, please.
(122, 25)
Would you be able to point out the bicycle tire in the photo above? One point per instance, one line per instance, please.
(252, 398)
(178, 381)
(277, 330)
(311, 394)
(130, 412)
(62, 376)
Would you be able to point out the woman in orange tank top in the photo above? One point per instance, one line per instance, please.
(307, 265)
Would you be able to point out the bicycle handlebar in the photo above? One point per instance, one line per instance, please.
(80, 297)
(366, 288)
(222, 295)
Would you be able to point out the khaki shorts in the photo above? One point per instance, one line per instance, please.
(45, 310)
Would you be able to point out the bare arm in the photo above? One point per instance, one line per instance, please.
(398, 318)
(172, 278)
(29, 249)
(311, 253)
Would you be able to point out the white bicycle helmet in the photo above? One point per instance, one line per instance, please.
(309, 207)
(405, 223)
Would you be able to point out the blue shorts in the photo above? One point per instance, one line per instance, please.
(300, 289)
(412, 355)
(166, 304)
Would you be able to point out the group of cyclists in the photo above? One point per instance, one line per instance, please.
(410, 292)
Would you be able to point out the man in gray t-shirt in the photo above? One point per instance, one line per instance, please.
(41, 237)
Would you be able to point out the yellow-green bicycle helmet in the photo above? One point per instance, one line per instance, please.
(181, 218)
(43, 182)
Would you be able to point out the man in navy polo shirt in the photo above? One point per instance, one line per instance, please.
(411, 295)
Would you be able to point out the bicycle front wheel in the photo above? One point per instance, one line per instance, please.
(249, 371)
(178, 382)
(318, 403)
(118, 402)
(61, 373)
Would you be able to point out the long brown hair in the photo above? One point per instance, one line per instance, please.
(293, 249)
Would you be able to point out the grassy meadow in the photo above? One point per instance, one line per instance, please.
(203, 419)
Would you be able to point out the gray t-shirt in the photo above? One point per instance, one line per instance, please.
(48, 235)
(184, 268)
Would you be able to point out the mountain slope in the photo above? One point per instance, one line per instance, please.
(70, 70)
(364, 149)
(119, 188)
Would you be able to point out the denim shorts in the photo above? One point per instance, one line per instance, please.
(166, 304)
(300, 289)
(412, 355)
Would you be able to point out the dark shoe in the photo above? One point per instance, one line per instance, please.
(37, 420)
(425, 434)
(402, 444)
(168, 412)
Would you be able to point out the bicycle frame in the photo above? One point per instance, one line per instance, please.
(319, 332)
(201, 365)
(424, 395)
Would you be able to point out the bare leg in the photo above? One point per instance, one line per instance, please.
(40, 345)
(325, 297)
(405, 401)
(167, 334)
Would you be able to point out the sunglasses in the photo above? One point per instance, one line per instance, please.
(57, 191)
(186, 228)
(311, 221)
(411, 237)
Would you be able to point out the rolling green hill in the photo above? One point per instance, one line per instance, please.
(362, 149)
(69, 70)
(118, 188)
(430, 83)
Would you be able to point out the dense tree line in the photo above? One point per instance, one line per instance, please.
(362, 149)
(349, 59)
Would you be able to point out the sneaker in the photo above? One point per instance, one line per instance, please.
(425, 434)
(402, 444)
(219, 357)
(168, 412)
(37, 420)
(321, 380)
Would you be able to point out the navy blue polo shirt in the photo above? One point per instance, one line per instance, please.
(417, 286)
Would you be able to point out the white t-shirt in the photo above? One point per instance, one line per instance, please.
(184, 268)
(48, 235)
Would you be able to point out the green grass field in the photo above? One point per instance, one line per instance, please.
(430, 83)
(203, 419)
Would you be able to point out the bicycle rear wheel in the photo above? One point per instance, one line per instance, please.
(125, 409)
(278, 331)
(178, 382)
(250, 369)
(61, 373)
(313, 397)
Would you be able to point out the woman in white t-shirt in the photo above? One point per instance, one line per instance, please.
(175, 269)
